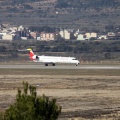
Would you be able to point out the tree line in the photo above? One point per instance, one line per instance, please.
(88, 50)
(78, 46)
(64, 46)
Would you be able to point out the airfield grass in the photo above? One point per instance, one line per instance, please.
(105, 72)
(84, 99)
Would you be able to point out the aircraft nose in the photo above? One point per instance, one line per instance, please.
(78, 62)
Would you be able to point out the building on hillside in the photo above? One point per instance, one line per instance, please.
(47, 36)
(113, 36)
(102, 37)
(8, 37)
(6, 24)
(76, 33)
(65, 34)
(13, 29)
(24, 38)
(91, 35)
(23, 33)
(21, 28)
(17, 35)
(35, 35)
(81, 37)
(3, 33)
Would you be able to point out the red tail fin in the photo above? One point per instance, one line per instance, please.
(31, 54)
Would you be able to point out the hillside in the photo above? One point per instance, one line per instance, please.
(83, 14)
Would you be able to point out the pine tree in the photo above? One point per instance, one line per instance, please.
(30, 107)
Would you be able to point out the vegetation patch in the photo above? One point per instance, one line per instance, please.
(70, 72)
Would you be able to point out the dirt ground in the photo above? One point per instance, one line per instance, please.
(82, 96)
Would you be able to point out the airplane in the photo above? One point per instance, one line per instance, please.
(51, 59)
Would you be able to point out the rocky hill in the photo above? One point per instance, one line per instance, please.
(83, 14)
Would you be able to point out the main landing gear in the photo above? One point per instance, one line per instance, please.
(46, 64)
(53, 64)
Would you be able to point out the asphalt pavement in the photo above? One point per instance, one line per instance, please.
(39, 66)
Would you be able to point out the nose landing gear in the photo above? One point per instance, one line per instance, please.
(77, 64)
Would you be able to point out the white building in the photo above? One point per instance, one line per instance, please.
(81, 37)
(21, 28)
(24, 38)
(3, 33)
(65, 34)
(102, 37)
(8, 37)
(47, 36)
(91, 35)
(111, 34)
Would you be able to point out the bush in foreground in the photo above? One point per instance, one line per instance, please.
(30, 107)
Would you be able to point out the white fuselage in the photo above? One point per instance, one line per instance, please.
(54, 59)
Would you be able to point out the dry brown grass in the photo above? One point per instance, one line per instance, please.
(71, 72)
(83, 94)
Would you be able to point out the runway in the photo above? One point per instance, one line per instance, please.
(38, 66)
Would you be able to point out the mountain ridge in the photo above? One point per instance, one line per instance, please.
(61, 13)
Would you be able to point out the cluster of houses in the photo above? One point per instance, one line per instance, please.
(8, 32)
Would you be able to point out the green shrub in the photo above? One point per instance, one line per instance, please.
(30, 107)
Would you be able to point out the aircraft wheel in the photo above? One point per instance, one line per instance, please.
(77, 64)
(53, 64)
(46, 64)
